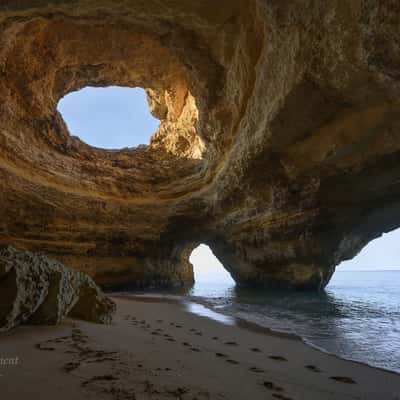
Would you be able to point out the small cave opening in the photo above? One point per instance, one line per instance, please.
(111, 118)
(382, 253)
(209, 274)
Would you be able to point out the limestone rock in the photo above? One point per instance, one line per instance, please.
(278, 144)
(39, 290)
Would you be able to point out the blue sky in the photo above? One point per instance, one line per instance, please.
(379, 254)
(117, 117)
(207, 267)
(111, 118)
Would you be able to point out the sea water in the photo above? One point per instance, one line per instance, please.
(356, 317)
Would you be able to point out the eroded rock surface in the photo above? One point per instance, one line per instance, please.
(279, 142)
(37, 290)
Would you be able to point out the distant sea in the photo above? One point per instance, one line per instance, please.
(357, 317)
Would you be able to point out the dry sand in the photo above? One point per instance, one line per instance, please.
(157, 349)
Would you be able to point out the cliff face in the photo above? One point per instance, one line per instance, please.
(279, 143)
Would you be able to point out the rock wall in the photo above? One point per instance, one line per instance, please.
(278, 144)
(37, 290)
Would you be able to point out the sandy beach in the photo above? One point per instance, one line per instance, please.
(158, 349)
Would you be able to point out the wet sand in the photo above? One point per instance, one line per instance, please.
(157, 349)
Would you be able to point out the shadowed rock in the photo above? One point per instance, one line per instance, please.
(35, 289)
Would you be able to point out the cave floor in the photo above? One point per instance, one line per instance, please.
(158, 350)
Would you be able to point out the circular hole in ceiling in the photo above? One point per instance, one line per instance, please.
(112, 117)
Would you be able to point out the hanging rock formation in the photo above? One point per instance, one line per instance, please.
(279, 142)
(37, 290)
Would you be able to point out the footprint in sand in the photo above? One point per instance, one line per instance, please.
(230, 361)
(231, 343)
(100, 360)
(272, 386)
(178, 392)
(149, 388)
(278, 358)
(313, 368)
(62, 339)
(343, 379)
(163, 369)
(281, 396)
(71, 366)
(256, 369)
(100, 378)
(39, 346)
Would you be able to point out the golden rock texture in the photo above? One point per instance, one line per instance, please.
(279, 142)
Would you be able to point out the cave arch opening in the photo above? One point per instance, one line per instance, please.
(111, 117)
(207, 269)
(382, 253)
